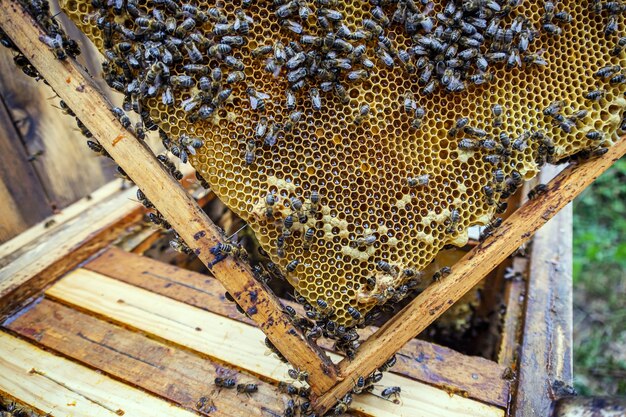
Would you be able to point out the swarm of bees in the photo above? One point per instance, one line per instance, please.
(196, 63)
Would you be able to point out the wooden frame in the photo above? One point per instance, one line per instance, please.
(327, 381)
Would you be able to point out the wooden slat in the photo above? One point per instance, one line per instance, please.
(14, 248)
(228, 340)
(473, 377)
(470, 270)
(23, 200)
(67, 168)
(181, 211)
(546, 350)
(174, 374)
(62, 388)
(53, 254)
(514, 293)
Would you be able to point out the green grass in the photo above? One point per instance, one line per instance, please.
(600, 285)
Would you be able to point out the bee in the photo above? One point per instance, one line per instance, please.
(607, 71)
(298, 375)
(56, 43)
(292, 265)
(454, 219)
(467, 144)
(418, 117)
(261, 128)
(342, 406)
(290, 409)
(459, 124)
(594, 135)
(247, 388)
(171, 167)
(409, 102)
(419, 181)
(387, 365)
(390, 391)
(291, 100)
(308, 238)
(537, 191)
(257, 99)
(272, 134)
(366, 240)
(473, 131)
(617, 79)
(294, 117)
(490, 228)
(364, 111)
(262, 51)
(122, 117)
(358, 75)
(242, 22)
(224, 249)
(354, 313)
(442, 273)
(205, 405)
(182, 81)
(249, 155)
(316, 101)
(97, 148)
(594, 95)
(385, 267)
(225, 382)
(235, 77)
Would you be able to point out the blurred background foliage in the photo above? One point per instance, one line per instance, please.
(600, 285)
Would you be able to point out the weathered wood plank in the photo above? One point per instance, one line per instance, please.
(181, 211)
(473, 377)
(174, 374)
(14, 248)
(48, 257)
(227, 340)
(470, 270)
(62, 388)
(67, 168)
(546, 350)
(514, 293)
(23, 201)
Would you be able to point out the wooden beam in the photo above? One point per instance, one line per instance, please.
(546, 350)
(177, 375)
(62, 388)
(235, 343)
(514, 294)
(181, 211)
(470, 376)
(470, 270)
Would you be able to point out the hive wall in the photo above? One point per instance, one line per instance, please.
(361, 171)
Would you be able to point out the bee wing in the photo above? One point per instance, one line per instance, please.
(262, 96)
(254, 102)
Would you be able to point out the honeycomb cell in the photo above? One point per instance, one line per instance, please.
(360, 171)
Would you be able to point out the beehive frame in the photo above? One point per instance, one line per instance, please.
(328, 382)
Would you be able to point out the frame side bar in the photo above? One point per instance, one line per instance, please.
(469, 271)
(167, 195)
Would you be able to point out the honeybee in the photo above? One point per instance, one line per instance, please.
(247, 388)
(364, 111)
(391, 391)
(419, 181)
(249, 155)
(257, 99)
(298, 375)
(442, 273)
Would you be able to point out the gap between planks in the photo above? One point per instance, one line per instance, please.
(472, 377)
(234, 342)
(63, 388)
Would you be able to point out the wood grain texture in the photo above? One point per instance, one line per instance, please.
(233, 342)
(62, 388)
(473, 377)
(67, 168)
(174, 374)
(51, 255)
(546, 350)
(470, 270)
(23, 201)
(180, 210)
(514, 295)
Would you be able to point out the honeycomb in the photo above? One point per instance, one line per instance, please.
(361, 170)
